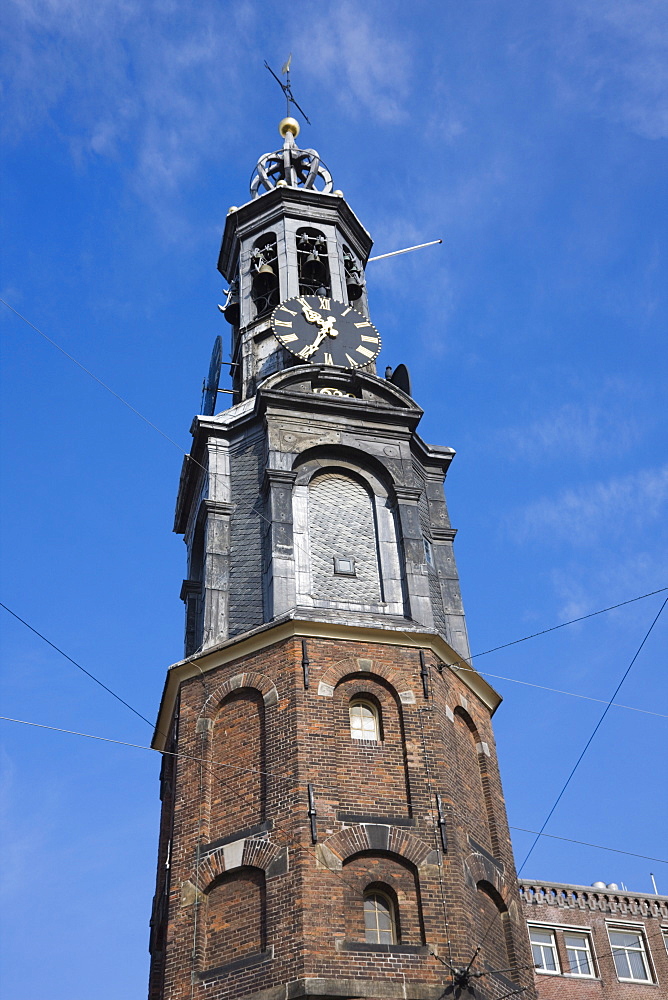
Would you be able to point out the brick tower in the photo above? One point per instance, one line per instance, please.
(333, 823)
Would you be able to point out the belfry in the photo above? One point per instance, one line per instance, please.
(333, 824)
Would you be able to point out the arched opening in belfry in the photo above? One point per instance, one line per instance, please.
(265, 290)
(313, 262)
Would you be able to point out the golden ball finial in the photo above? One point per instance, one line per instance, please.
(289, 125)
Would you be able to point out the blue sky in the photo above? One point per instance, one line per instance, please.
(532, 139)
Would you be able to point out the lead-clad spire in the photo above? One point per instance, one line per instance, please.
(290, 166)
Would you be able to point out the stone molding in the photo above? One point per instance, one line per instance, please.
(221, 508)
(254, 852)
(375, 837)
(408, 494)
(334, 675)
(249, 679)
(570, 897)
(278, 477)
(478, 868)
(443, 534)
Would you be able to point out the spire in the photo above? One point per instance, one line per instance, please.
(290, 166)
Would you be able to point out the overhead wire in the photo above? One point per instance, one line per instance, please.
(565, 785)
(591, 737)
(461, 665)
(458, 665)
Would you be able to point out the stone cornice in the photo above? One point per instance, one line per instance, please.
(443, 534)
(286, 628)
(408, 494)
(558, 896)
(220, 507)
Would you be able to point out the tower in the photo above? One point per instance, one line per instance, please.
(333, 823)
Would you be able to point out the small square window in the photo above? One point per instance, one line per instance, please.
(544, 949)
(630, 955)
(344, 566)
(578, 952)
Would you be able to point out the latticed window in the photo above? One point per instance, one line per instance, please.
(364, 721)
(578, 951)
(544, 949)
(380, 924)
(628, 951)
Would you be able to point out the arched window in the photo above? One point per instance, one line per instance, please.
(313, 263)
(380, 918)
(264, 274)
(364, 720)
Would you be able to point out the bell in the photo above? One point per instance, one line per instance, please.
(354, 289)
(264, 279)
(313, 269)
(232, 312)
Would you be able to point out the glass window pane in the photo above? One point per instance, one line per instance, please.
(364, 721)
(637, 963)
(378, 920)
(621, 964)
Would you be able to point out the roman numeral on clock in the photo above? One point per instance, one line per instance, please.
(280, 322)
(366, 352)
(328, 359)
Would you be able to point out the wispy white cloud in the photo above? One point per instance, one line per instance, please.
(617, 575)
(581, 516)
(615, 61)
(596, 426)
(351, 49)
(153, 84)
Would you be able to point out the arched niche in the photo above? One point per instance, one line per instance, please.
(344, 507)
(495, 930)
(396, 878)
(237, 795)
(473, 761)
(388, 794)
(234, 918)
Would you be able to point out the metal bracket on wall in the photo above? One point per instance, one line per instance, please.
(442, 829)
(312, 814)
(305, 663)
(424, 674)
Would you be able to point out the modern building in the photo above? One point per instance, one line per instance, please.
(596, 941)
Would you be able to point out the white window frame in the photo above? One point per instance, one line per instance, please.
(373, 894)
(546, 928)
(360, 734)
(588, 949)
(643, 950)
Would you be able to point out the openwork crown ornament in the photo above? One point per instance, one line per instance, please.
(293, 166)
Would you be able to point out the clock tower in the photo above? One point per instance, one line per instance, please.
(333, 823)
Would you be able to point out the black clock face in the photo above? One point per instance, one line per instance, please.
(321, 331)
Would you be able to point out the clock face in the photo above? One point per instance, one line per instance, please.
(321, 331)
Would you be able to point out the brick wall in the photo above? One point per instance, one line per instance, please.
(254, 904)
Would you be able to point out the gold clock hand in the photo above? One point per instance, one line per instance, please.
(310, 349)
(311, 315)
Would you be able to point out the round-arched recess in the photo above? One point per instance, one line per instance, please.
(345, 533)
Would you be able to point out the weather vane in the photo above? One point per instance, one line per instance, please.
(286, 88)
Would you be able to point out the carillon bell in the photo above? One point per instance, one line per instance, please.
(353, 288)
(314, 269)
(264, 279)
